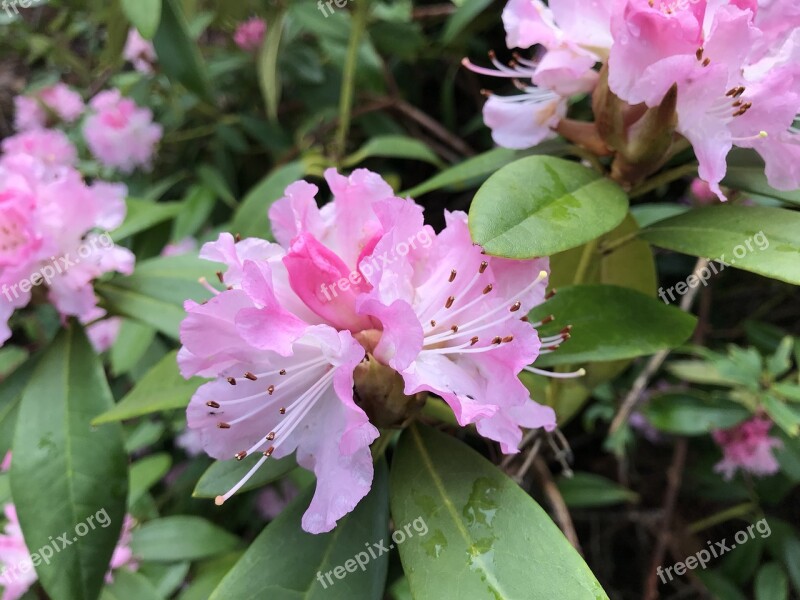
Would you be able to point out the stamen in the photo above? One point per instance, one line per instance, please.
(699, 54)
(231, 380)
(473, 341)
(270, 436)
(282, 410)
(212, 404)
(497, 340)
(508, 338)
(449, 302)
(222, 425)
(250, 376)
(282, 372)
(240, 455)
(554, 375)
(488, 289)
(454, 328)
(759, 135)
(516, 306)
(220, 277)
(269, 451)
(220, 500)
(706, 62)
(270, 390)
(452, 276)
(237, 238)
(204, 282)
(433, 323)
(483, 266)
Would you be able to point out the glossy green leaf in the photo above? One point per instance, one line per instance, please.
(224, 474)
(180, 537)
(128, 585)
(145, 15)
(132, 342)
(178, 55)
(771, 583)
(540, 205)
(692, 414)
(154, 294)
(610, 323)
(268, 76)
(142, 215)
(462, 173)
(486, 537)
(11, 390)
(163, 388)
(68, 477)
(647, 214)
(785, 416)
(145, 473)
(584, 490)
(251, 218)
(723, 233)
(284, 561)
(392, 146)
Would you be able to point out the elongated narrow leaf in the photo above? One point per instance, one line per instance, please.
(251, 218)
(285, 562)
(67, 478)
(392, 146)
(486, 538)
(154, 294)
(268, 77)
(11, 391)
(540, 205)
(754, 238)
(128, 585)
(178, 55)
(610, 323)
(145, 15)
(692, 414)
(221, 476)
(163, 388)
(146, 473)
(143, 214)
(587, 490)
(181, 537)
(462, 17)
(472, 168)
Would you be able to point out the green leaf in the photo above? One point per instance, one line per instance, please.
(610, 323)
(692, 414)
(145, 473)
(195, 210)
(746, 173)
(251, 218)
(144, 14)
(142, 215)
(163, 388)
(462, 17)
(584, 490)
(467, 171)
(698, 371)
(268, 76)
(180, 537)
(68, 477)
(780, 361)
(485, 537)
(392, 146)
(771, 583)
(128, 585)
(131, 345)
(723, 233)
(719, 586)
(540, 205)
(284, 561)
(154, 294)
(222, 475)
(647, 214)
(790, 391)
(786, 418)
(178, 55)
(11, 390)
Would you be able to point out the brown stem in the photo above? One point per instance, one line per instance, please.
(556, 501)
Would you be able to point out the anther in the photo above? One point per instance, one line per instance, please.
(433, 323)
(452, 275)
(548, 319)
(270, 389)
(212, 404)
(497, 340)
(706, 62)
(270, 436)
(282, 410)
(240, 455)
(454, 328)
(231, 380)
(449, 302)
(222, 425)
(219, 276)
(508, 338)
(282, 372)
(551, 294)
(483, 266)
(237, 238)
(699, 54)
(250, 376)
(473, 341)
(515, 307)
(488, 288)
(269, 451)
(524, 319)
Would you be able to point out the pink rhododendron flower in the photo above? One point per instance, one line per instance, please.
(250, 34)
(103, 334)
(747, 446)
(121, 134)
(361, 278)
(123, 555)
(31, 113)
(48, 237)
(50, 146)
(732, 89)
(139, 52)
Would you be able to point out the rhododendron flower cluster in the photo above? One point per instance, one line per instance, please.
(303, 324)
(35, 111)
(734, 66)
(119, 133)
(747, 447)
(51, 228)
(249, 35)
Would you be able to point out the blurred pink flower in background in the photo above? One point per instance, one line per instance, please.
(50, 146)
(123, 555)
(121, 134)
(139, 52)
(30, 113)
(102, 334)
(250, 34)
(748, 447)
(18, 574)
(274, 498)
(185, 246)
(702, 192)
